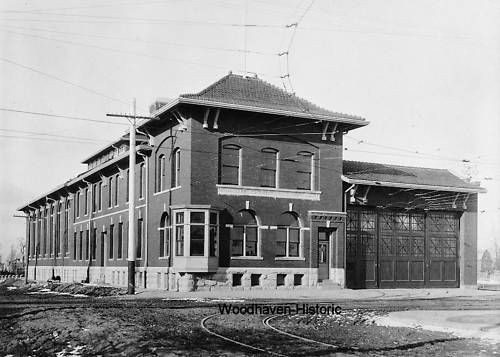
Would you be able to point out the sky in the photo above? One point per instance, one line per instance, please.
(426, 74)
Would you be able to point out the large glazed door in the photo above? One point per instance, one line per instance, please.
(401, 249)
(442, 250)
(323, 255)
(361, 248)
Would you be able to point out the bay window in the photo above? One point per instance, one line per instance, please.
(179, 234)
(196, 233)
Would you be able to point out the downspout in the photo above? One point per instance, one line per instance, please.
(145, 220)
(27, 245)
(51, 220)
(31, 235)
(345, 232)
(38, 226)
(91, 209)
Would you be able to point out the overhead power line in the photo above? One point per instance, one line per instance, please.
(114, 4)
(148, 21)
(17, 137)
(132, 53)
(53, 135)
(61, 116)
(142, 40)
(62, 80)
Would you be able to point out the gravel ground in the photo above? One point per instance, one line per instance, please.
(35, 321)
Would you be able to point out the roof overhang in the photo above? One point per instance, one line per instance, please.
(411, 185)
(346, 119)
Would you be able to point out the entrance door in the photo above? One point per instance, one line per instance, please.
(323, 255)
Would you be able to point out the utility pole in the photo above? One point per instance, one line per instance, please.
(131, 206)
(131, 256)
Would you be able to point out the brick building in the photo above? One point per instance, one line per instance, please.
(244, 184)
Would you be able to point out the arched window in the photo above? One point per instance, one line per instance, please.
(110, 192)
(57, 238)
(176, 167)
(51, 230)
(117, 186)
(245, 235)
(164, 236)
(268, 173)
(160, 180)
(305, 170)
(142, 179)
(288, 236)
(67, 209)
(230, 165)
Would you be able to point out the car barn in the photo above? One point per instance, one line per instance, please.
(409, 227)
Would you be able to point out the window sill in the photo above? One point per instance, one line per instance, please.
(164, 258)
(245, 258)
(290, 258)
(234, 190)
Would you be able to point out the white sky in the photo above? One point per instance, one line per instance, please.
(425, 73)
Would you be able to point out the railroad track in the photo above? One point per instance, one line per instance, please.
(326, 347)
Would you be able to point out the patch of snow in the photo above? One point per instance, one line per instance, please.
(11, 287)
(76, 351)
(201, 299)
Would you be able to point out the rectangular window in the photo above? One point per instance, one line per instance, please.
(119, 253)
(94, 243)
(230, 165)
(251, 241)
(197, 238)
(305, 166)
(87, 241)
(237, 241)
(80, 246)
(179, 234)
(74, 245)
(117, 185)
(269, 168)
(110, 192)
(140, 230)
(294, 242)
(111, 241)
(281, 242)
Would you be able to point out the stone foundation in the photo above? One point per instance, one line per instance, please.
(166, 278)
